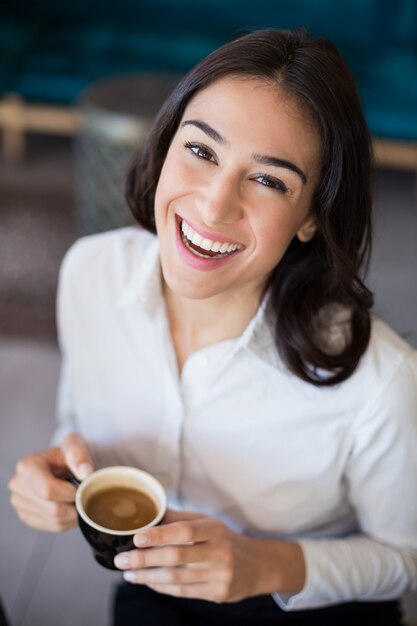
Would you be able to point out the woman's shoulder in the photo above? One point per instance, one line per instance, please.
(387, 350)
(387, 372)
(97, 268)
(108, 247)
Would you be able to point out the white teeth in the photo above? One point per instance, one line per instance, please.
(207, 244)
(196, 239)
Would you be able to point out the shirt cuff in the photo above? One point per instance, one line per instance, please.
(288, 602)
(318, 590)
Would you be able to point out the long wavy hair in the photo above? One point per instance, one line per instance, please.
(317, 280)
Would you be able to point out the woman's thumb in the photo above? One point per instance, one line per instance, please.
(77, 455)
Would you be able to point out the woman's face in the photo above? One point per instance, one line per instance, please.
(235, 188)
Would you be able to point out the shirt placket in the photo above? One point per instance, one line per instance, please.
(169, 437)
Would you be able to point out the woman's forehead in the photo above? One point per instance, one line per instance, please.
(250, 94)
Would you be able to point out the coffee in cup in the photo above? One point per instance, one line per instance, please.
(121, 508)
(113, 504)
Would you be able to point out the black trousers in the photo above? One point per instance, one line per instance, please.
(137, 605)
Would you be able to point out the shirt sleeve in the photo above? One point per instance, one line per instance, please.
(64, 405)
(380, 563)
(67, 414)
(64, 399)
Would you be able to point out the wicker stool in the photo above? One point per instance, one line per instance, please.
(116, 114)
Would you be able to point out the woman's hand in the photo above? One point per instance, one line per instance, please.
(194, 556)
(41, 497)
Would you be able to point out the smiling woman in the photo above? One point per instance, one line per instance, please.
(279, 126)
(226, 346)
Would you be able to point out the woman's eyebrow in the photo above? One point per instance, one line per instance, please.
(276, 162)
(206, 128)
(259, 158)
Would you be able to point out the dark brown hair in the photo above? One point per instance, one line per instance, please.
(312, 277)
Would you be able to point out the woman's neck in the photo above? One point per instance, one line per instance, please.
(196, 324)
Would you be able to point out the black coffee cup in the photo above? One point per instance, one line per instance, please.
(107, 542)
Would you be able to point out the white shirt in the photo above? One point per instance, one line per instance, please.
(237, 436)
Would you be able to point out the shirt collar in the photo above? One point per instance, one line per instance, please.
(252, 329)
(258, 336)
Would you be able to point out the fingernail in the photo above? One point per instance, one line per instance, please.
(140, 539)
(129, 576)
(84, 470)
(121, 560)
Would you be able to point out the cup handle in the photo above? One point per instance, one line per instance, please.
(74, 481)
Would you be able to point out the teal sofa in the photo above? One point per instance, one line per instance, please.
(51, 51)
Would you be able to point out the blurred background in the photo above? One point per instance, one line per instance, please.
(79, 84)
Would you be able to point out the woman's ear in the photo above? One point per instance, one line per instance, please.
(307, 230)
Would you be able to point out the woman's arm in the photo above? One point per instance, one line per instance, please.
(198, 557)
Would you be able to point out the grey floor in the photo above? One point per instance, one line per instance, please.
(52, 580)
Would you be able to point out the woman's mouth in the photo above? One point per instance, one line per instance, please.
(203, 247)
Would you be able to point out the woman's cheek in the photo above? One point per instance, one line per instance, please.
(275, 235)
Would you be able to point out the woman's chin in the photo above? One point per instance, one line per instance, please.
(184, 289)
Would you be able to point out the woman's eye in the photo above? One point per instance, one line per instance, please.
(273, 183)
(200, 151)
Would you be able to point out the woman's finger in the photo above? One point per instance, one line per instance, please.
(166, 556)
(192, 530)
(170, 575)
(37, 474)
(47, 524)
(77, 455)
(57, 511)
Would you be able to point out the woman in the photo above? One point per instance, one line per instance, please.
(234, 357)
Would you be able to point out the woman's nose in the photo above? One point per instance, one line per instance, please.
(220, 201)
